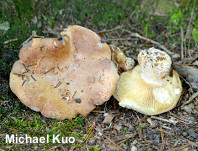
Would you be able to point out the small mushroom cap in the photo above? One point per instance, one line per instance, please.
(63, 79)
(149, 94)
(124, 63)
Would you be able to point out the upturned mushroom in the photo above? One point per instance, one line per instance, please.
(64, 78)
(152, 87)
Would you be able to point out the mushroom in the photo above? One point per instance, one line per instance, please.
(124, 63)
(151, 87)
(64, 78)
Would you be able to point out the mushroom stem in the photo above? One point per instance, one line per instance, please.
(155, 65)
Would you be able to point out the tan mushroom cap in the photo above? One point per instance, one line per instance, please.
(63, 79)
(149, 88)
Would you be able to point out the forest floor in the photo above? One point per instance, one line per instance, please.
(127, 25)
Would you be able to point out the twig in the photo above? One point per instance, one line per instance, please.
(181, 120)
(178, 148)
(167, 132)
(184, 64)
(109, 30)
(191, 99)
(109, 139)
(114, 130)
(34, 35)
(9, 41)
(192, 143)
(30, 65)
(49, 70)
(105, 136)
(125, 139)
(141, 120)
(191, 19)
(187, 83)
(175, 144)
(146, 37)
(162, 137)
(19, 74)
(53, 148)
(195, 58)
(166, 127)
(33, 78)
(90, 130)
(24, 82)
(164, 120)
(149, 40)
(140, 132)
(116, 39)
(58, 84)
(26, 69)
(182, 43)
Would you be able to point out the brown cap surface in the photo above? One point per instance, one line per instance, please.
(63, 79)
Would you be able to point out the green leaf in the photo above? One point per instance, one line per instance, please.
(79, 120)
(195, 34)
(5, 26)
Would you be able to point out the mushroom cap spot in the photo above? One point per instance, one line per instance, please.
(135, 93)
(81, 67)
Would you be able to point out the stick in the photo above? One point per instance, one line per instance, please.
(191, 98)
(185, 65)
(90, 130)
(191, 19)
(58, 84)
(164, 120)
(140, 133)
(132, 136)
(178, 148)
(117, 39)
(162, 137)
(24, 82)
(26, 69)
(49, 70)
(109, 30)
(187, 83)
(192, 143)
(105, 136)
(182, 44)
(30, 65)
(19, 74)
(33, 78)
(9, 41)
(140, 121)
(114, 130)
(149, 40)
(109, 139)
(178, 118)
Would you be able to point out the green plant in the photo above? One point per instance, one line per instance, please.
(125, 130)
(195, 34)
(176, 20)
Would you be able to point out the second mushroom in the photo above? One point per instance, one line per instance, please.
(151, 87)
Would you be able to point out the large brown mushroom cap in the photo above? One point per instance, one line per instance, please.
(63, 79)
